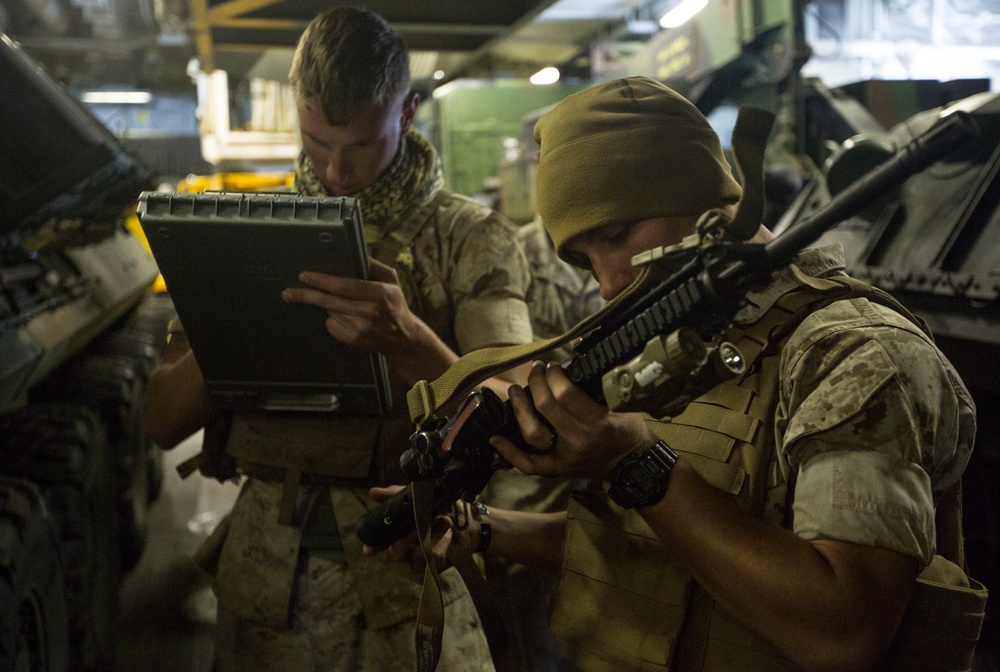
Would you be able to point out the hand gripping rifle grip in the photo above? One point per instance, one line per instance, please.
(393, 518)
(469, 464)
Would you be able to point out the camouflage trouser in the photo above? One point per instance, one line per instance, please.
(328, 633)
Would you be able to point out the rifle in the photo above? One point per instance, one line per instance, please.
(655, 355)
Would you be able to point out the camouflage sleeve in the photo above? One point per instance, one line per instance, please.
(490, 281)
(870, 417)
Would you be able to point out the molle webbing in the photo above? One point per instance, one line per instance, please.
(606, 619)
(620, 604)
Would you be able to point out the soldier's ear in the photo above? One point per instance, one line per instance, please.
(410, 104)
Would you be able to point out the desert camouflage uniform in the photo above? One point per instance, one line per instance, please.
(870, 430)
(324, 606)
(875, 423)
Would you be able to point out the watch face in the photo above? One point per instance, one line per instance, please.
(641, 479)
(644, 476)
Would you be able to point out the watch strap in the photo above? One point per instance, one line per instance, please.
(640, 479)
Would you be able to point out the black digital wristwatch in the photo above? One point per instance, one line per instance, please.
(640, 479)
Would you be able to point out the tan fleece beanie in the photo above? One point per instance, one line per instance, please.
(627, 150)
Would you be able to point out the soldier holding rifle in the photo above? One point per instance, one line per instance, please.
(794, 517)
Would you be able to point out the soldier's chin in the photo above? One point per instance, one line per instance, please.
(341, 191)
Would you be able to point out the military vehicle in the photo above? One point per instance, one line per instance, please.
(80, 330)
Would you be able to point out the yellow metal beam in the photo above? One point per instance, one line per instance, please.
(202, 34)
(261, 24)
(243, 47)
(233, 8)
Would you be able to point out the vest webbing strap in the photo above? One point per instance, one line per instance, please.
(851, 287)
(749, 140)
(424, 399)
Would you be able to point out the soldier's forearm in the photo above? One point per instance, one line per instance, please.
(177, 402)
(533, 539)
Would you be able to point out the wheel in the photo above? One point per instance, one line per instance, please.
(34, 633)
(143, 336)
(63, 449)
(115, 387)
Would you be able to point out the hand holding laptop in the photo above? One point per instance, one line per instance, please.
(373, 315)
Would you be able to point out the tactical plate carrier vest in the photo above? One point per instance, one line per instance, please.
(654, 616)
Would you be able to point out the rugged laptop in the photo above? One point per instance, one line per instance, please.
(226, 257)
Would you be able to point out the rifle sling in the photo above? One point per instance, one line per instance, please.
(425, 399)
(430, 614)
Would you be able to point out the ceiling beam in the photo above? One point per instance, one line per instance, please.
(233, 8)
(260, 24)
(483, 51)
(202, 34)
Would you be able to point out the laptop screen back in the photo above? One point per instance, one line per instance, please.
(226, 257)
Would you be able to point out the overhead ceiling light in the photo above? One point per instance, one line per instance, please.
(117, 97)
(682, 13)
(439, 74)
(547, 75)
(647, 28)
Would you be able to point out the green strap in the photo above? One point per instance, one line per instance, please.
(424, 400)
(753, 126)
(749, 140)
(430, 613)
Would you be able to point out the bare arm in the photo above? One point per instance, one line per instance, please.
(177, 401)
(827, 605)
(534, 539)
